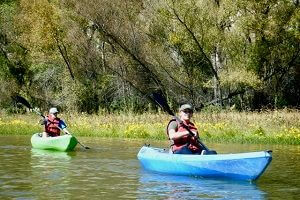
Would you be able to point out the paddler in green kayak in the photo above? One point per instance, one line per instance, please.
(53, 124)
(182, 140)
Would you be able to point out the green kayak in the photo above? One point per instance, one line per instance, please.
(60, 143)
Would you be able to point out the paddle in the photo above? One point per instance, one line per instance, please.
(86, 147)
(27, 104)
(162, 102)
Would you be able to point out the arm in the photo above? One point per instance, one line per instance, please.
(66, 131)
(173, 134)
(176, 135)
(63, 127)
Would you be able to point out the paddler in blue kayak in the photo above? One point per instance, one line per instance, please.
(53, 124)
(182, 140)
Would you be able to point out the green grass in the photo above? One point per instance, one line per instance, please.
(274, 127)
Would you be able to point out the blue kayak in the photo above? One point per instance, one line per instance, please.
(240, 166)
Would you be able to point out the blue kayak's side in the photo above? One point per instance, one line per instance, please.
(242, 166)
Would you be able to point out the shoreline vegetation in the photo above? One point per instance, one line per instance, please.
(272, 127)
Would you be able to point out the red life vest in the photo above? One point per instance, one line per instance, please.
(185, 140)
(52, 126)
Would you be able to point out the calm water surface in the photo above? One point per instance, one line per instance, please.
(110, 170)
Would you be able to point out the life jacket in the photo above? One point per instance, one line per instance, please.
(186, 140)
(52, 126)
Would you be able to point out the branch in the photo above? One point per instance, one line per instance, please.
(174, 79)
(284, 70)
(128, 51)
(63, 52)
(197, 42)
(229, 96)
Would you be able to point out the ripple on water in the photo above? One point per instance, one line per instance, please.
(110, 171)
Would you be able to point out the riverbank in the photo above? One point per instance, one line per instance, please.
(273, 127)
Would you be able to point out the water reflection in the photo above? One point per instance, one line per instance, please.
(14, 172)
(50, 155)
(51, 173)
(158, 186)
(110, 171)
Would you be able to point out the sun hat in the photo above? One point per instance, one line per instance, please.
(186, 107)
(53, 110)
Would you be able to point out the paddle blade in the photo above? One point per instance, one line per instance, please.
(23, 101)
(86, 147)
(159, 99)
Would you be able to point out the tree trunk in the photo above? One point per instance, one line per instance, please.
(217, 65)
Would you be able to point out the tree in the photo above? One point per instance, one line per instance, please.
(14, 72)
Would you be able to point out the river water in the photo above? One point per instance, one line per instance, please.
(110, 170)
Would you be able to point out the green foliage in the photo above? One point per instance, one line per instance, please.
(212, 109)
(240, 78)
(108, 56)
(136, 131)
(259, 132)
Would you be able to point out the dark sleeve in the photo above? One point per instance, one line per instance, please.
(62, 124)
(173, 125)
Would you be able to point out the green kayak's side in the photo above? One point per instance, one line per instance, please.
(60, 143)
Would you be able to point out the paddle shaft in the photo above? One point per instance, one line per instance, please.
(86, 147)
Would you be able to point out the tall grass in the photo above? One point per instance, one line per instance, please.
(281, 126)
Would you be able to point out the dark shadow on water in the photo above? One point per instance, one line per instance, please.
(159, 186)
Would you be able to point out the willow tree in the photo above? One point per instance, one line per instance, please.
(96, 54)
(272, 30)
(61, 55)
(41, 33)
(200, 38)
(14, 71)
(120, 46)
(244, 47)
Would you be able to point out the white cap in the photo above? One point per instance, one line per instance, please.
(186, 107)
(53, 110)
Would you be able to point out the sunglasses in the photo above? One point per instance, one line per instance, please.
(188, 111)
